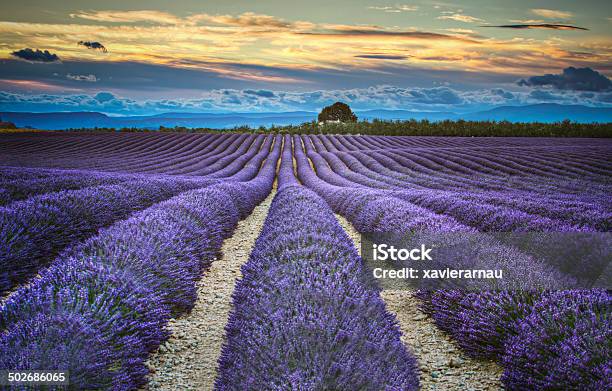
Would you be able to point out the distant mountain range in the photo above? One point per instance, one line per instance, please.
(547, 112)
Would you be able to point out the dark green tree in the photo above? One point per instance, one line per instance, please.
(337, 112)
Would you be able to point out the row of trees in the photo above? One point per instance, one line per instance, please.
(340, 119)
(408, 128)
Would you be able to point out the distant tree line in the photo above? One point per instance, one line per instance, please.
(407, 128)
(338, 118)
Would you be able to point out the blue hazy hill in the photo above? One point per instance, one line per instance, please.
(546, 112)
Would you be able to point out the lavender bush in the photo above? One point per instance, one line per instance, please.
(303, 315)
(564, 343)
(124, 284)
(33, 231)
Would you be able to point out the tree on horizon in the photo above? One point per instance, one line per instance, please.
(339, 111)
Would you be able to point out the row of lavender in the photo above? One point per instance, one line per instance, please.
(101, 307)
(421, 158)
(36, 230)
(560, 175)
(47, 210)
(303, 318)
(544, 339)
(144, 153)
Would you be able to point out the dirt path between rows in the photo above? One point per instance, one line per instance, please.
(188, 360)
(443, 365)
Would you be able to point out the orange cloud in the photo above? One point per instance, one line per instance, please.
(208, 42)
(128, 16)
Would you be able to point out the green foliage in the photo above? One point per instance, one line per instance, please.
(411, 128)
(337, 112)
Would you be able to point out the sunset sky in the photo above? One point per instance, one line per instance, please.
(135, 57)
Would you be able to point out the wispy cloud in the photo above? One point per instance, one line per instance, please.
(395, 8)
(461, 31)
(246, 19)
(30, 86)
(381, 56)
(551, 14)
(378, 32)
(89, 78)
(546, 26)
(460, 18)
(150, 16)
(215, 43)
(526, 21)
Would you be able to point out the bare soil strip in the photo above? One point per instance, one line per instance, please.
(443, 365)
(188, 360)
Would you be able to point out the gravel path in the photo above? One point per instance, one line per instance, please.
(443, 365)
(188, 360)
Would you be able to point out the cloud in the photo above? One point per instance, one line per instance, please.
(104, 97)
(551, 14)
(93, 45)
(576, 79)
(605, 98)
(141, 79)
(541, 95)
(546, 26)
(527, 21)
(461, 31)
(150, 16)
(348, 31)
(216, 43)
(460, 18)
(440, 98)
(396, 8)
(262, 93)
(246, 19)
(437, 95)
(382, 56)
(30, 55)
(90, 78)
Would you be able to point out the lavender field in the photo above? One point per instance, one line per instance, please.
(107, 239)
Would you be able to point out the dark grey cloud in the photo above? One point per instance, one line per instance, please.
(93, 45)
(382, 56)
(576, 79)
(35, 55)
(545, 26)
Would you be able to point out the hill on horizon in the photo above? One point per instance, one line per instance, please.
(545, 112)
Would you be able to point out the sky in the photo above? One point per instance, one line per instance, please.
(138, 58)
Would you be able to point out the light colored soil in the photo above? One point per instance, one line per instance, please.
(443, 365)
(188, 360)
